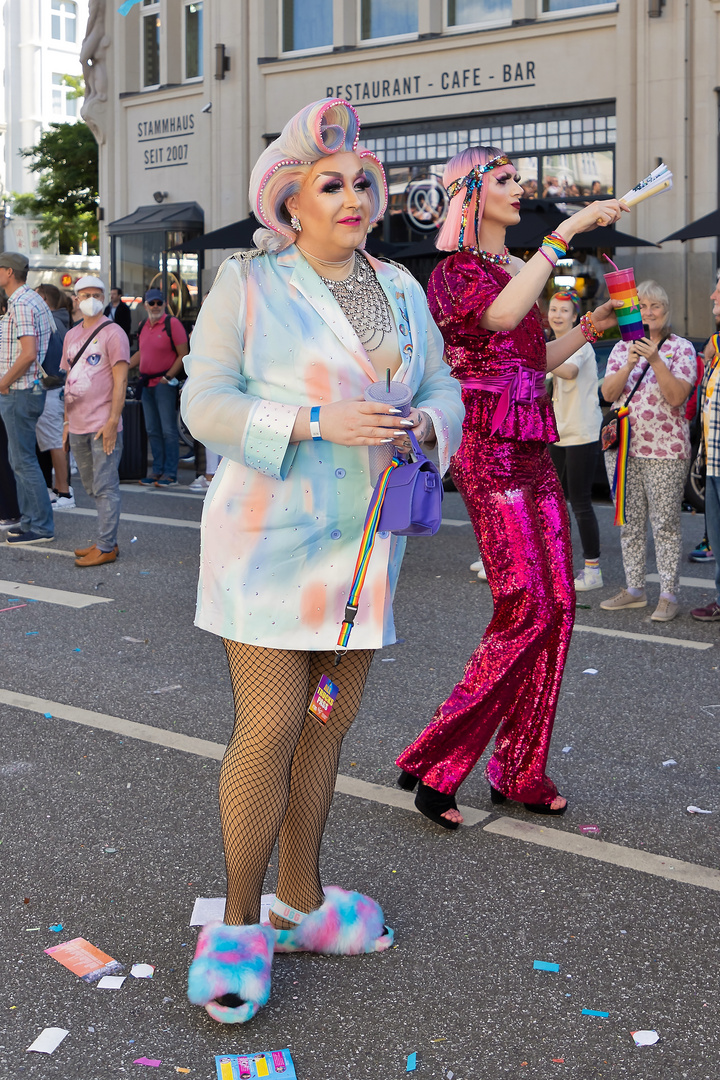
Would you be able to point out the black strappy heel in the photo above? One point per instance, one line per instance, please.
(533, 808)
(433, 804)
(407, 781)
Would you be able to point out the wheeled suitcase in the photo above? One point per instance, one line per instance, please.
(133, 463)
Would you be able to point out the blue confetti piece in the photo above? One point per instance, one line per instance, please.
(31, 633)
(595, 1012)
(56, 928)
(543, 965)
(47, 715)
(411, 1062)
(77, 650)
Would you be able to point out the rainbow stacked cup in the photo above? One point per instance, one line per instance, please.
(621, 286)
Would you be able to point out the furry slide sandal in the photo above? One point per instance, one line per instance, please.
(347, 924)
(230, 974)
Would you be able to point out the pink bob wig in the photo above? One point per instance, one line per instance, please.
(319, 130)
(456, 168)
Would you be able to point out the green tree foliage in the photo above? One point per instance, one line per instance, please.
(66, 199)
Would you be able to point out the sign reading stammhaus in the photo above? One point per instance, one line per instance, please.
(166, 140)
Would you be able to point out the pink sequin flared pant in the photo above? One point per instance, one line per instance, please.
(512, 681)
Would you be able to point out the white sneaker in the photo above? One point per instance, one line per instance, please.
(52, 496)
(479, 567)
(589, 578)
(65, 502)
(199, 484)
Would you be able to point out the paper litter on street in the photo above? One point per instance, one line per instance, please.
(411, 1062)
(84, 959)
(544, 965)
(595, 1012)
(111, 982)
(212, 909)
(670, 761)
(48, 1040)
(566, 749)
(645, 1038)
(589, 830)
(265, 1063)
(590, 671)
(142, 971)
(697, 810)
(165, 689)
(155, 1062)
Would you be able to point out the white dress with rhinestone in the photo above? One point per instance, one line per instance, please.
(282, 521)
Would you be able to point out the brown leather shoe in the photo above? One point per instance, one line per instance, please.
(96, 557)
(80, 552)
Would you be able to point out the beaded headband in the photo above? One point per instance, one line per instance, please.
(473, 183)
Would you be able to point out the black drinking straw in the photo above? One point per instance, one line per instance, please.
(387, 381)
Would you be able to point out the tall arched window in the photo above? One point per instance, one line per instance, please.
(64, 20)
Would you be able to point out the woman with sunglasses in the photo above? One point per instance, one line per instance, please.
(483, 300)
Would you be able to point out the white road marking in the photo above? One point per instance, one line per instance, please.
(454, 521)
(144, 519)
(652, 639)
(630, 858)
(689, 582)
(706, 877)
(52, 596)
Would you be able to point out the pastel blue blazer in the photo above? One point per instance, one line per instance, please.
(282, 521)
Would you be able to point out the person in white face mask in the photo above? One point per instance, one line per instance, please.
(96, 355)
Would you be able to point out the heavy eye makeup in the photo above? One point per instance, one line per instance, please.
(361, 183)
(509, 176)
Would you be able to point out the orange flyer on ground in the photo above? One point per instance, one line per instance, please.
(84, 959)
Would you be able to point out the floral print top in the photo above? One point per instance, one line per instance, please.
(658, 430)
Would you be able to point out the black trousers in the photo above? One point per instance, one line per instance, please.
(9, 508)
(576, 468)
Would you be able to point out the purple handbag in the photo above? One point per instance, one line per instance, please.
(412, 505)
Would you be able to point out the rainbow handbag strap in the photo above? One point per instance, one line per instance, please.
(619, 486)
(367, 543)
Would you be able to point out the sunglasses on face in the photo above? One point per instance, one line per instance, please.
(153, 303)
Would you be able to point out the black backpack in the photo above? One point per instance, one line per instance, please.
(52, 376)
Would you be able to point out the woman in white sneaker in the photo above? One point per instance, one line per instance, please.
(578, 418)
(659, 454)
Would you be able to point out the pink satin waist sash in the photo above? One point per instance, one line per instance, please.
(523, 386)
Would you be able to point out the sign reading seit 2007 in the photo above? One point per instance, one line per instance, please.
(451, 83)
(166, 140)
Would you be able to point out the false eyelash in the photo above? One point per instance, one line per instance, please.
(333, 186)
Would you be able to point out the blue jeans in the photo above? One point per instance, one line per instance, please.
(20, 411)
(712, 524)
(160, 410)
(99, 475)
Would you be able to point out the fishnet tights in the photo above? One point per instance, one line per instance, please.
(278, 774)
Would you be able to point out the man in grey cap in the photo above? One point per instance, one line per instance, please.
(24, 335)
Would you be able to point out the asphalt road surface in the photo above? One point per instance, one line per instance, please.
(109, 828)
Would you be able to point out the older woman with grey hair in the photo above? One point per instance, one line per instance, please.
(659, 455)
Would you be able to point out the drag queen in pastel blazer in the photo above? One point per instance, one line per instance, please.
(288, 340)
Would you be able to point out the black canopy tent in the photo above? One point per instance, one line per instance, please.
(697, 230)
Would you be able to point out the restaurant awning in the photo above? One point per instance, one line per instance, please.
(238, 235)
(160, 217)
(697, 230)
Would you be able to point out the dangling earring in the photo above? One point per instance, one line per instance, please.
(295, 222)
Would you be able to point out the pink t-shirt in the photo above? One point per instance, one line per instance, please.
(156, 353)
(658, 430)
(89, 384)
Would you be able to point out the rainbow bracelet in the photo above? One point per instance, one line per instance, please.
(555, 243)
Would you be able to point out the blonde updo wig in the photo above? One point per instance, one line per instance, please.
(319, 130)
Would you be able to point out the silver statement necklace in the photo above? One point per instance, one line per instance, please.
(364, 304)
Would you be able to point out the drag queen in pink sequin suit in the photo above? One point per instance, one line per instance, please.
(483, 300)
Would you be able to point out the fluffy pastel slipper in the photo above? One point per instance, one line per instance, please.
(230, 974)
(347, 924)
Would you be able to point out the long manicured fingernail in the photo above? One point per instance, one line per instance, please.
(390, 440)
(407, 423)
(395, 412)
(398, 432)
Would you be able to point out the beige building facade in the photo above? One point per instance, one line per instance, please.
(587, 98)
